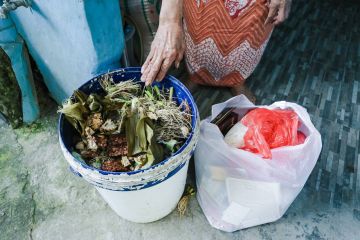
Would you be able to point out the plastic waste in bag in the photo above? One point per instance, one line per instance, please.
(269, 129)
(238, 189)
(236, 135)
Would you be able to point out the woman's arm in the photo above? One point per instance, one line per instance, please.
(168, 45)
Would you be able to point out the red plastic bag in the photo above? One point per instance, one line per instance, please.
(268, 129)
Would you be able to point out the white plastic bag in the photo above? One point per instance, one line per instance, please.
(239, 189)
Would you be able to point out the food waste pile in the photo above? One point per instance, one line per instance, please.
(126, 127)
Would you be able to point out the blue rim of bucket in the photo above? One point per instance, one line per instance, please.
(194, 119)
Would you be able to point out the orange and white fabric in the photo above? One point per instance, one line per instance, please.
(225, 39)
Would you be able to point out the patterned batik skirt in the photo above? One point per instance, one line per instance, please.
(225, 39)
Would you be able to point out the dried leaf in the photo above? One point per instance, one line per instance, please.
(152, 116)
(141, 133)
(88, 131)
(108, 126)
(122, 91)
(74, 110)
(91, 143)
(130, 131)
(183, 203)
(80, 97)
(157, 150)
(130, 136)
(94, 121)
(80, 145)
(149, 132)
(125, 161)
(184, 131)
(94, 104)
(149, 160)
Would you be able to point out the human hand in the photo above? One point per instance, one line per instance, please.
(278, 11)
(167, 47)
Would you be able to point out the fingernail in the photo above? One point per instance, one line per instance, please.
(177, 64)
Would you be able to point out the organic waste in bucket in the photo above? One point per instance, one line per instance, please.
(144, 195)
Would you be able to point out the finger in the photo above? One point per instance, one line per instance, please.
(178, 59)
(280, 16)
(150, 66)
(273, 9)
(154, 70)
(148, 59)
(165, 68)
(279, 20)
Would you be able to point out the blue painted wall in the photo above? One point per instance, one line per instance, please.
(71, 40)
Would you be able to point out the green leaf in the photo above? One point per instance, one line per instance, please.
(171, 145)
(157, 91)
(171, 92)
(149, 94)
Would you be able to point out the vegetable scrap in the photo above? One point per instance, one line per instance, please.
(127, 127)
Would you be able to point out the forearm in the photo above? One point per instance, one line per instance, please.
(171, 11)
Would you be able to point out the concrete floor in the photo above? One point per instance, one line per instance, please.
(313, 59)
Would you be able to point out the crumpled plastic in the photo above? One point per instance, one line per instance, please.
(269, 129)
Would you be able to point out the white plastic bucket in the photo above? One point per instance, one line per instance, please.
(148, 204)
(145, 195)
